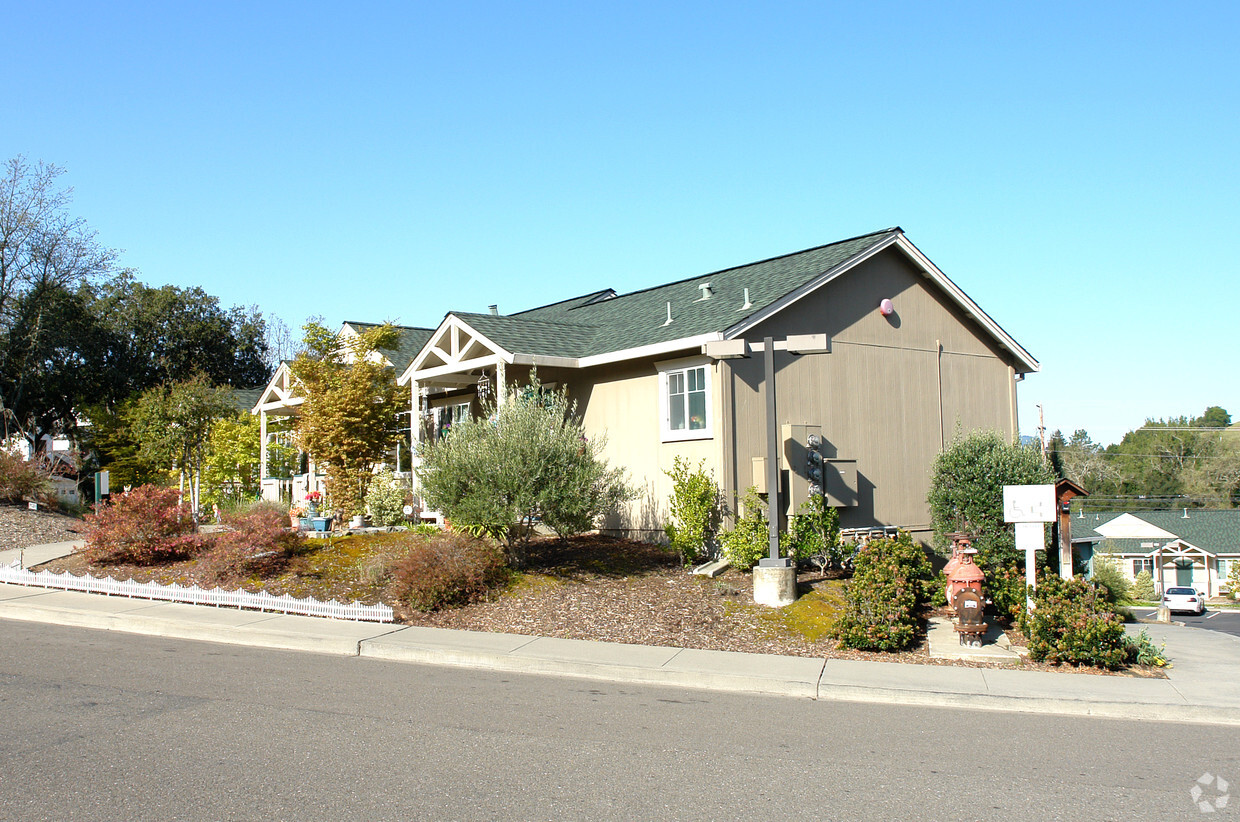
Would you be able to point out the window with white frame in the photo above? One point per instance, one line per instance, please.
(684, 396)
(1139, 565)
(448, 415)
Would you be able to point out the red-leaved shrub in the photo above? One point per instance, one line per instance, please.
(255, 544)
(449, 568)
(143, 527)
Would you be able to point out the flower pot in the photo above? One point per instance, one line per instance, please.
(305, 524)
(358, 521)
(322, 523)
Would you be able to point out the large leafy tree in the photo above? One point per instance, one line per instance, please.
(46, 255)
(171, 334)
(172, 424)
(53, 358)
(348, 421)
(966, 493)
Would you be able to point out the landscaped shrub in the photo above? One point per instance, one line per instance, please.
(891, 581)
(144, 526)
(1073, 623)
(814, 531)
(385, 499)
(1007, 590)
(523, 462)
(1142, 651)
(966, 494)
(22, 480)
(749, 541)
(449, 568)
(255, 544)
(695, 510)
(1111, 580)
(1143, 588)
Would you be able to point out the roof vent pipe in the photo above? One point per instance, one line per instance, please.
(669, 315)
(494, 309)
(1185, 514)
(706, 292)
(748, 305)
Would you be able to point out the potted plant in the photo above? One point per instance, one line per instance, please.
(296, 512)
(312, 501)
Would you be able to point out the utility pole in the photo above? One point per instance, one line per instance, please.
(1042, 432)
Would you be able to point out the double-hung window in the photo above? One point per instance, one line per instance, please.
(1139, 565)
(684, 396)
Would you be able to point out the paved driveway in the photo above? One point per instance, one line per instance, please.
(1215, 619)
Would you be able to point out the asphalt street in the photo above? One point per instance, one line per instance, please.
(103, 725)
(1224, 620)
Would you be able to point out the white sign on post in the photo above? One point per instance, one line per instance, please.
(1028, 503)
(1030, 507)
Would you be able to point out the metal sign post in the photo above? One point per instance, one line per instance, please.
(101, 488)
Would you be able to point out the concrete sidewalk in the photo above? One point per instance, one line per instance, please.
(1204, 685)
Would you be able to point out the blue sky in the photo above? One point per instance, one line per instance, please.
(1071, 166)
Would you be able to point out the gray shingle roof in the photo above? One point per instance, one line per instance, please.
(1211, 529)
(599, 323)
(408, 344)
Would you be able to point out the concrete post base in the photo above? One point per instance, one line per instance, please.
(1164, 613)
(775, 587)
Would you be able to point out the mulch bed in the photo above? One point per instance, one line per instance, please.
(603, 589)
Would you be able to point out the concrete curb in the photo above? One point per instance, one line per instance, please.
(1141, 712)
(990, 689)
(655, 665)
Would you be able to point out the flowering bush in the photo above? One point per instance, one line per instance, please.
(297, 510)
(1072, 622)
(256, 544)
(314, 497)
(891, 582)
(449, 568)
(143, 526)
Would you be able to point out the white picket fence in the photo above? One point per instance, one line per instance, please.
(261, 600)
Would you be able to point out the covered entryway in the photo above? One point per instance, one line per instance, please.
(1182, 564)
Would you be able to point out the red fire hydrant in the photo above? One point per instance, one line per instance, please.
(964, 594)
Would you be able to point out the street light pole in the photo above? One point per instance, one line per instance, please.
(773, 560)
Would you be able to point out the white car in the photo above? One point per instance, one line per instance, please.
(1184, 599)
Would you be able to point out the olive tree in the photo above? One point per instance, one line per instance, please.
(524, 461)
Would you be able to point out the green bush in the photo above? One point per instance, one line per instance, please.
(1111, 580)
(1072, 622)
(525, 461)
(1143, 587)
(1007, 590)
(813, 531)
(747, 543)
(144, 526)
(448, 568)
(1142, 651)
(695, 510)
(385, 499)
(966, 494)
(891, 582)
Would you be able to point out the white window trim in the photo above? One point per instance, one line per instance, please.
(666, 434)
